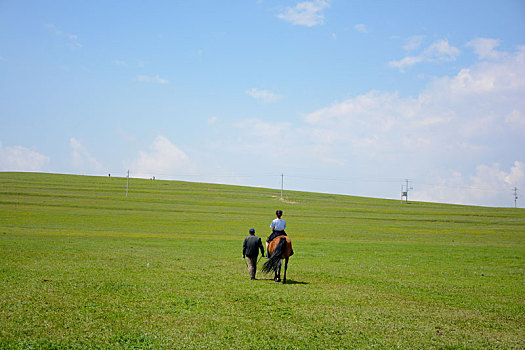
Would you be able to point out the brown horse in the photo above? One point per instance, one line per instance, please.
(278, 249)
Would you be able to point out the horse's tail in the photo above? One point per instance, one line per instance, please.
(272, 263)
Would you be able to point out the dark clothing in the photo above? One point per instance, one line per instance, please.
(251, 246)
(275, 234)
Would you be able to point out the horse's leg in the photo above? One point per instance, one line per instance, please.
(278, 272)
(285, 268)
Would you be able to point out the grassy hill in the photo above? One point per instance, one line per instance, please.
(83, 266)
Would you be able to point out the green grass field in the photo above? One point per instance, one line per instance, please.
(367, 273)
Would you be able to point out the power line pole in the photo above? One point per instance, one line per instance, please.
(515, 197)
(127, 185)
(282, 185)
(407, 192)
(404, 192)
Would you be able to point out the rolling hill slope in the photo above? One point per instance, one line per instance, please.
(83, 265)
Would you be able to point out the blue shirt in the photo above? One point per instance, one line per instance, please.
(278, 225)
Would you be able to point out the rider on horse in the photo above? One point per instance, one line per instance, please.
(278, 225)
(278, 247)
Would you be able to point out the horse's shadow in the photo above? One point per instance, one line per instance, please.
(295, 282)
(288, 281)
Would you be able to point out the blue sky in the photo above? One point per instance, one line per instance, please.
(347, 97)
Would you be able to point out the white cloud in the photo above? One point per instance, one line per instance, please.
(439, 51)
(260, 141)
(407, 61)
(375, 110)
(213, 120)
(152, 79)
(499, 80)
(72, 39)
(82, 160)
(257, 128)
(489, 185)
(485, 48)
(440, 136)
(516, 119)
(361, 28)
(163, 159)
(126, 136)
(482, 99)
(306, 13)
(263, 95)
(413, 42)
(455, 122)
(19, 158)
(516, 176)
(370, 123)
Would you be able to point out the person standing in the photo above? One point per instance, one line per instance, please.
(278, 225)
(250, 251)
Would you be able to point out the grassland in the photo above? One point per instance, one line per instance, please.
(82, 266)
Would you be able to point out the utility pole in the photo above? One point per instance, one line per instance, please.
(282, 185)
(127, 185)
(404, 192)
(406, 196)
(515, 197)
